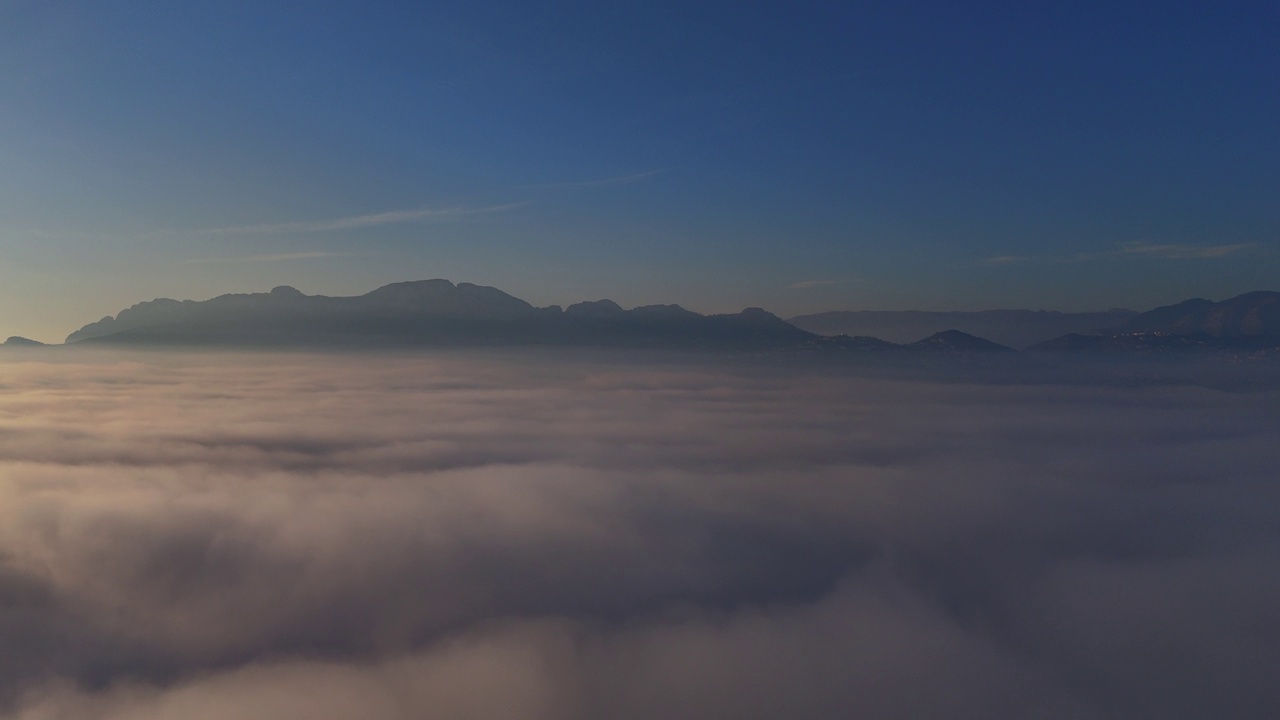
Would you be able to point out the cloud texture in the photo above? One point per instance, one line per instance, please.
(470, 536)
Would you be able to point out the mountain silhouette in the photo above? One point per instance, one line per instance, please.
(431, 312)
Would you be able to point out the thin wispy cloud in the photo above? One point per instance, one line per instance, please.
(1083, 257)
(1005, 259)
(273, 257)
(1164, 251)
(1183, 251)
(356, 222)
(601, 182)
(811, 284)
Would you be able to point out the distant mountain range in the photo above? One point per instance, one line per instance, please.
(440, 313)
(1249, 315)
(1247, 324)
(1015, 328)
(435, 313)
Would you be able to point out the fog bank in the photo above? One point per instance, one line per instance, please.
(471, 535)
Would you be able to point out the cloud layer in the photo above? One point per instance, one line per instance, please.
(488, 536)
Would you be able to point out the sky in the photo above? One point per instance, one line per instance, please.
(799, 157)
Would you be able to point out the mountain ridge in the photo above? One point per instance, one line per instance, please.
(430, 312)
(438, 312)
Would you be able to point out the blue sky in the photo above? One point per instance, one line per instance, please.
(796, 156)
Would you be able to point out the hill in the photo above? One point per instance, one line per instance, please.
(21, 342)
(954, 341)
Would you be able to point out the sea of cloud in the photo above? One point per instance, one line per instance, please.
(532, 535)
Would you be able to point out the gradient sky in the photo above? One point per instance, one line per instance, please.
(795, 156)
